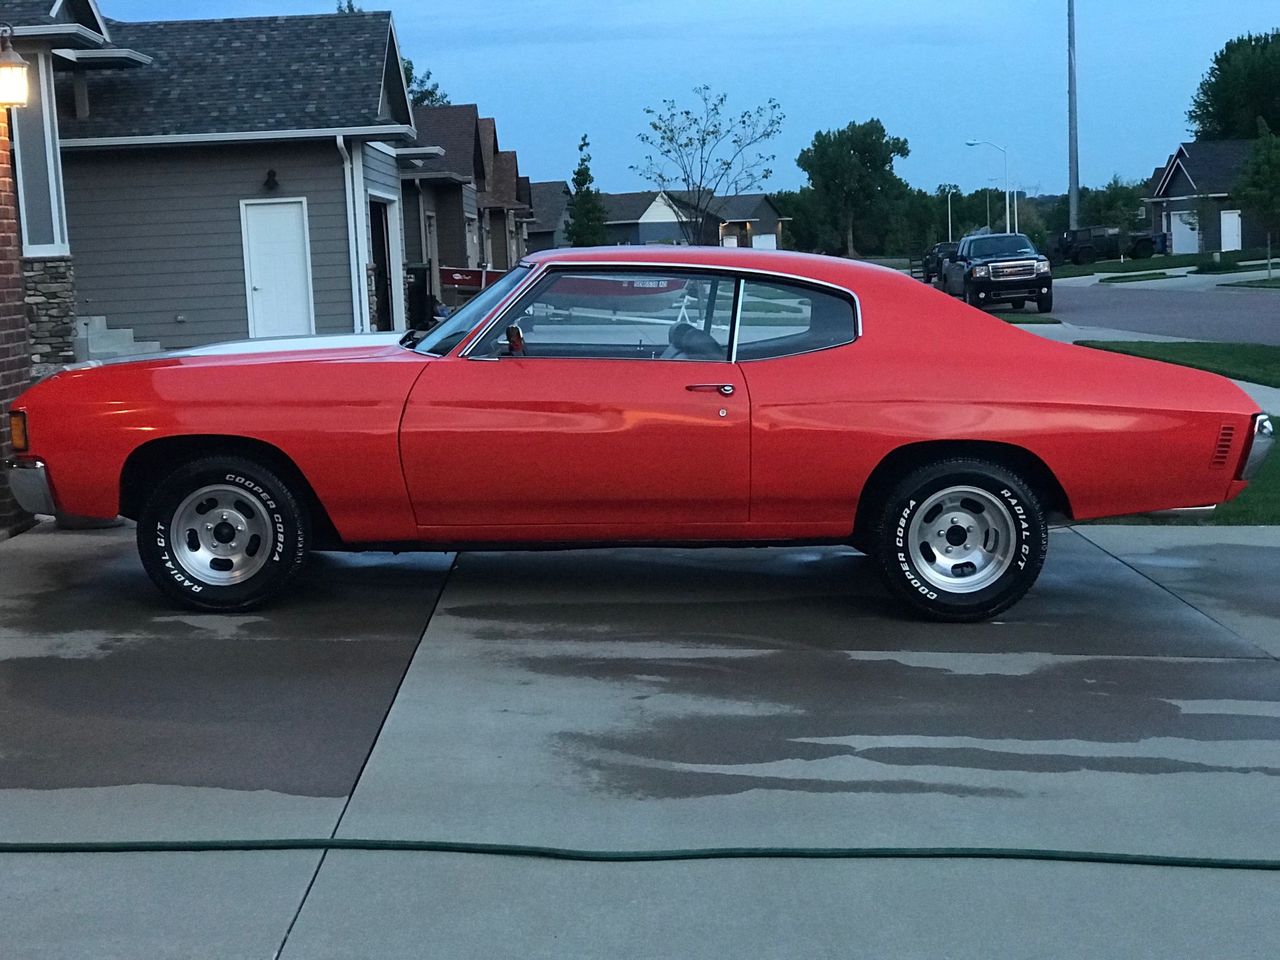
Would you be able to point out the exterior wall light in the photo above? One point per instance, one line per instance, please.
(13, 71)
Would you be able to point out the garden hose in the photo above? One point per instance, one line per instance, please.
(644, 856)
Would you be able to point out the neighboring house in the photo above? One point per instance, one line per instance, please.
(749, 220)
(1190, 198)
(661, 216)
(650, 216)
(442, 219)
(502, 214)
(207, 180)
(550, 202)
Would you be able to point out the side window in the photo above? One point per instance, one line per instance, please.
(779, 320)
(621, 315)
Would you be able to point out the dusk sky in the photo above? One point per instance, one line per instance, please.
(934, 71)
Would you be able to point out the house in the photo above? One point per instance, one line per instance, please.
(1190, 198)
(550, 202)
(442, 216)
(749, 220)
(502, 214)
(189, 181)
(664, 216)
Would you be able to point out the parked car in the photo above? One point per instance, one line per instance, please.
(1088, 244)
(1000, 268)
(934, 259)
(762, 398)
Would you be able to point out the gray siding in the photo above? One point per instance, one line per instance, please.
(380, 171)
(156, 234)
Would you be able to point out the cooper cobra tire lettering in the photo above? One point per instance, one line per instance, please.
(287, 532)
(1025, 523)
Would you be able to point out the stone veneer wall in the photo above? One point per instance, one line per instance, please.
(15, 350)
(49, 285)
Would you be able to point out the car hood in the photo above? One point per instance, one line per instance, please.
(350, 345)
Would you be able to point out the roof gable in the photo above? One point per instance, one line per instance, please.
(455, 127)
(260, 75)
(1208, 166)
(550, 202)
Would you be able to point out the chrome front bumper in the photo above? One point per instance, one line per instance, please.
(29, 483)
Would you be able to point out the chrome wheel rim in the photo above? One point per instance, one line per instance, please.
(220, 535)
(962, 539)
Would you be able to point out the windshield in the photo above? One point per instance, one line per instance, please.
(454, 330)
(1011, 244)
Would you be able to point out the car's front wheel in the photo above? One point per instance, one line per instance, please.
(961, 540)
(222, 533)
(1044, 302)
(971, 297)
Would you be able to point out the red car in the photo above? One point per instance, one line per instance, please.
(639, 396)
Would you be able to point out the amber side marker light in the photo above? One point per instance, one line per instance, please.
(18, 431)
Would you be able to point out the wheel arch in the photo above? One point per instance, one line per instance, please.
(149, 463)
(902, 460)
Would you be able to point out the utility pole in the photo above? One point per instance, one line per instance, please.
(1073, 151)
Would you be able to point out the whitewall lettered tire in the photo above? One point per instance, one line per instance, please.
(962, 539)
(222, 533)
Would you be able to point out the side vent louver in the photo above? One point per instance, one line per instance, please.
(1222, 450)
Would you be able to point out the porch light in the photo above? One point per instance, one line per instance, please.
(13, 71)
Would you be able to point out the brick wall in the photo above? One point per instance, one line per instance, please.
(15, 350)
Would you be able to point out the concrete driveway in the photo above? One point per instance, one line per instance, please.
(635, 699)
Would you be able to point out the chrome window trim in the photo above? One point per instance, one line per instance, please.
(542, 267)
(857, 325)
(736, 319)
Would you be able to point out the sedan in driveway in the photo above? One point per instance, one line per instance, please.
(639, 396)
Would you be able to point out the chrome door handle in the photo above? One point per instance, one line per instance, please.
(724, 389)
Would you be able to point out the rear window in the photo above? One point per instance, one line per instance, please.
(781, 320)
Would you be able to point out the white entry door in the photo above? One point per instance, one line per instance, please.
(1230, 229)
(1185, 236)
(277, 267)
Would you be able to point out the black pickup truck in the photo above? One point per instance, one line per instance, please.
(1000, 268)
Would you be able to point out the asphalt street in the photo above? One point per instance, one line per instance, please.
(642, 699)
(1177, 308)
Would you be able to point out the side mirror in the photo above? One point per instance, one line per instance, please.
(515, 341)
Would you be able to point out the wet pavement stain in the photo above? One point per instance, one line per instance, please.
(292, 716)
(769, 708)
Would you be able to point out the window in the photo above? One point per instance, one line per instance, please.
(447, 335)
(779, 320)
(621, 315)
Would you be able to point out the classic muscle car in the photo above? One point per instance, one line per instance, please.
(639, 396)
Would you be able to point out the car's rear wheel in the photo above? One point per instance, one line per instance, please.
(222, 533)
(961, 540)
(1017, 304)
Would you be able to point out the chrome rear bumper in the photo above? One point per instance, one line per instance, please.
(1260, 445)
(29, 482)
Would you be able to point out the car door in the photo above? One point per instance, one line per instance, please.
(614, 413)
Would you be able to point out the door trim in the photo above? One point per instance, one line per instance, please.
(248, 272)
(395, 244)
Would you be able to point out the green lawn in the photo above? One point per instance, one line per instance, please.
(1158, 262)
(1264, 283)
(1135, 277)
(1255, 362)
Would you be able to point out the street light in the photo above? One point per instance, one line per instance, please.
(949, 193)
(13, 71)
(975, 143)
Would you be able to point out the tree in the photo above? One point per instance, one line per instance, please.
(422, 92)
(1241, 87)
(851, 173)
(705, 153)
(586, 210)
(1258, 189)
